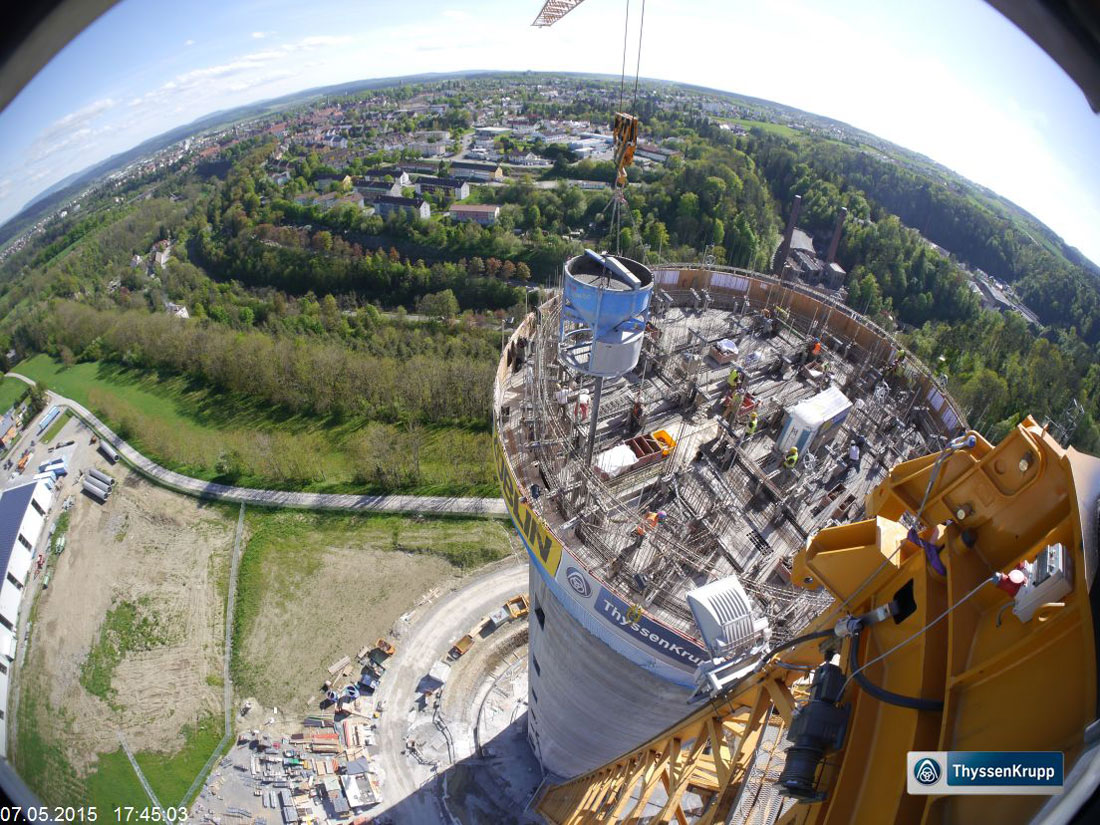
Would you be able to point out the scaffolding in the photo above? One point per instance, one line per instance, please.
(729, 504)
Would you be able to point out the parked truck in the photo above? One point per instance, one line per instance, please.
(459, 648)
(385, 646)
(518, 606)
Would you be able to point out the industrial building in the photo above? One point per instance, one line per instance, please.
(644, 425)
(796, 258)
(22, 519)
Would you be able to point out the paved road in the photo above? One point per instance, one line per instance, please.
(426, 640)
(427, 505)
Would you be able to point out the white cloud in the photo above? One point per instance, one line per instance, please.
(189, 42)
(68, 130)
(261, 35)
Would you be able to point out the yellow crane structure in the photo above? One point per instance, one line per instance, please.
(961, 622)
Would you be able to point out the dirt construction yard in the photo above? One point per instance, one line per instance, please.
(158, 563)
(327, 585)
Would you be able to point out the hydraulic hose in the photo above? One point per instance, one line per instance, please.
(880, 693)
(809, 637)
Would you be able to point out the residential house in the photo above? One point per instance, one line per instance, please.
(451, 187)
(399, 175)
(428, 167)
(9, 430)
(387, 205)
(472, 170)
(428, 149)
(490, 133)
(374, 189)
(485, 214)
(528, 159)
(161, 251)
(353, 198)
(327, 183)
(179, 310)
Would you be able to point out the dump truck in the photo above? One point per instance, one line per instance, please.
(460, 647)
(518, 606)
(22, 465)
(385, 646)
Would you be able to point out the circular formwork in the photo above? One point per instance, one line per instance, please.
(576, 522)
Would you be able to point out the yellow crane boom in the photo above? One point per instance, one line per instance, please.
(930, 645)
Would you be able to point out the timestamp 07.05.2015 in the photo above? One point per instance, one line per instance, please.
(90, 813)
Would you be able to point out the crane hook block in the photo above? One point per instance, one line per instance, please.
(625, 132)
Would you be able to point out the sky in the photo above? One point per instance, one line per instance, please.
(951, 79)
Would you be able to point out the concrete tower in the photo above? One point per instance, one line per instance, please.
(659, 532)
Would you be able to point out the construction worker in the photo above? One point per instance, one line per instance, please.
(580, 409)
(561, 396)
(754, 422)
(813, 351)
(732, 405)
(649, 522)
(854, 457)
(637, 418)
(791, 458)
(736, 378)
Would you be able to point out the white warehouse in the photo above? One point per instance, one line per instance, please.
(22, 519)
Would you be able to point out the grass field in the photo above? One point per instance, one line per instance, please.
(43, 765)
(776, 128)
(128, 627)
(234, 440)
(11, 390)
(294, 561)
(56, 426)
(170, 775)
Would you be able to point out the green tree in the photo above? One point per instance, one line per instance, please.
(439, 305)
(36, 398)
